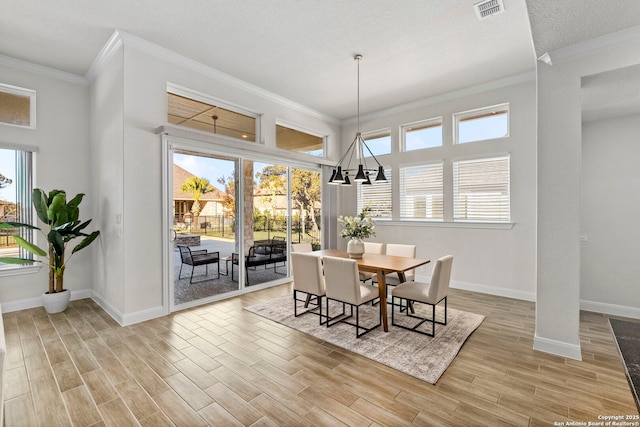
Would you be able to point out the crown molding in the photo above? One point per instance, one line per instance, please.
(592, 46)
(43, 70)
(123, 38)
(449, 96)
(113, 44)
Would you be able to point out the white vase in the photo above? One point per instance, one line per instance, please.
(56, 302)
(355, 248)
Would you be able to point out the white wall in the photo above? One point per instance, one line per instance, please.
(107, 101)
(559, 171)
(610, 204)
(137, 292)
(497, 261)
(62, 162)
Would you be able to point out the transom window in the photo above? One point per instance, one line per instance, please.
(301, 142)
(17, 106)
(379, 142)
(193, 111)
(482, 124)
(423, 134)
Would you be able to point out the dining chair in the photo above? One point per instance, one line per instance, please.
(370, 248)
(301, 247)
(343, 285)
(396, 249)
(308, 279)
(431, 293)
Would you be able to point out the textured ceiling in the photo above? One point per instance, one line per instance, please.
(560, 23)
(299, 49)
(303, 49)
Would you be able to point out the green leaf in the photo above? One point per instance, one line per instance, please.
(28, 246)
(57, 241)
(57, 209)
(21, 261)
(86, 241)
(17, 225)
(75, 202)
(40, 203)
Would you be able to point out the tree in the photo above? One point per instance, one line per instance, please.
(272, 183)
(197, 186)
(229, 197)
(306, 193)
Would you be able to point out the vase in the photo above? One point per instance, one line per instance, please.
(56, 302)
(355, 248)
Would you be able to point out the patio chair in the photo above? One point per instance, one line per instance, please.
(196, 258)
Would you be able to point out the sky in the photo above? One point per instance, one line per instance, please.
(209, 167)
(8, 169)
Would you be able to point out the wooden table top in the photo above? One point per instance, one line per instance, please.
(377, 262)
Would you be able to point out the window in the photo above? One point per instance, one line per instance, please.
(379, 142)
(423, 134)
(481, 190)
(15, 200)
(301, 142)
(193, 111)
(377, 196)
(421, 192)
(17, 106)
(482, 124)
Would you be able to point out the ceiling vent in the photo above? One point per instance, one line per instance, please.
(488, 8)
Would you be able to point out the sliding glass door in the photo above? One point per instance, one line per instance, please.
(204, 231)
(232, 217)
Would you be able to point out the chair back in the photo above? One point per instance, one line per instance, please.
(185, 254)
(301, 247)
(341, 279)
(373, 248)
(440, 278)
(307, 273)
(409, 251)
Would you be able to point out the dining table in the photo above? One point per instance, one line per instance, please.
(382, 265)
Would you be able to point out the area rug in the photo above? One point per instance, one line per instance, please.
(627, 335)
(415, 354)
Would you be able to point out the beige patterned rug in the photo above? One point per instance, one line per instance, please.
(415, 354)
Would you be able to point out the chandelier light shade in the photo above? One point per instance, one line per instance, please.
(343, 169)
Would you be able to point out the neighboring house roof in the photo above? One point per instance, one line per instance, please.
(180, 175)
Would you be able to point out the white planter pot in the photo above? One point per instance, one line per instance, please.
(355, 248)
(57, 302)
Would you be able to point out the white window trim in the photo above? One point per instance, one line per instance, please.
(403, 133)
(457, 117)
(312, 132)
(370, 133)
(202, 97)
(31, 94)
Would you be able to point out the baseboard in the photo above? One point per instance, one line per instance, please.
(559, 348)
(613, 309)
(490, 290)
(27, 303)
(130, 318)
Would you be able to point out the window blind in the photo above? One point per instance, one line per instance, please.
(421, 192)
(481, 190)
(377, 196)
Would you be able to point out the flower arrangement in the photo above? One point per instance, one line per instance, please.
(359, 226)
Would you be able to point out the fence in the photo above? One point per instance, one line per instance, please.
(220, 226)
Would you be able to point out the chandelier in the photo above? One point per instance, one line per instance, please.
(340, 174)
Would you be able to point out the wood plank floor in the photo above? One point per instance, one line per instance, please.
(220, 365)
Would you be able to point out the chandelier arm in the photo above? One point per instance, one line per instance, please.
(370, 152)
(346, 152)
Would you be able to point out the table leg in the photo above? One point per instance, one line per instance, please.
(382, 288)
(403, 279)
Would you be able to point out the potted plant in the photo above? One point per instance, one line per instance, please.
(63, 226)
(357, 228)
